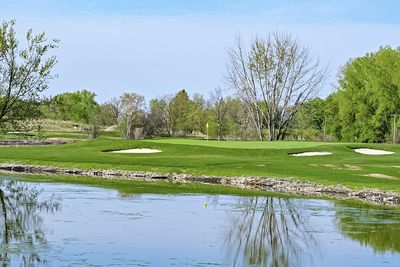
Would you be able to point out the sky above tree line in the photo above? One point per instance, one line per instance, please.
(157, 47)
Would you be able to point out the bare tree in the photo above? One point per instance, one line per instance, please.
(24, 72)
(131, 113)
(115, 106)
(273, 78)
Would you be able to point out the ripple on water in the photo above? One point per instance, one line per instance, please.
(97, 227)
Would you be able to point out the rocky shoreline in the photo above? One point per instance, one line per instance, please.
(278, 185)
(30, 142)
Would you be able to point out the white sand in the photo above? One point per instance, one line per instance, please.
(137, 151)
(310, 154)
(368, 151)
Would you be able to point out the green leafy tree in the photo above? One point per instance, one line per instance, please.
(220, 115)
(311, 119)
(198, 115)
(333, 125)
(179, 113)
(369, 96)
(157, 119)
(76, 106)
(25, 72)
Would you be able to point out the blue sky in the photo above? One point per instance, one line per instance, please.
(282, 10)
(158, 47)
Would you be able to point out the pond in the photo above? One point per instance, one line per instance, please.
(54, 224)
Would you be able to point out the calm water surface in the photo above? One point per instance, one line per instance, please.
(46, 224)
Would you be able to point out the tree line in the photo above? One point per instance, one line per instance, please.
(271, 90)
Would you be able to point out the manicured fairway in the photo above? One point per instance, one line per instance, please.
(270, 159)
(242, 144)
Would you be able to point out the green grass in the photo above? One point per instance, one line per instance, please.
(63, 134)
(241, 144)
(57, 125)
(112, 134)
(13, 136)
(224, 158)
(81, 135)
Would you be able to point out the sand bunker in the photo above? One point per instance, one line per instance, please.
(368, 151)
(310, 154)
(137, 151)
(379, 175)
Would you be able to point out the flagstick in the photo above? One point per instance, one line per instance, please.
(207, 130)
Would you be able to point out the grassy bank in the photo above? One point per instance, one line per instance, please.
(144, 187)
(200, 157)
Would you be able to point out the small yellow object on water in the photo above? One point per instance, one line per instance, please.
(205, 205)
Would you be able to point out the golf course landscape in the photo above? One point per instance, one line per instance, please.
(200, 133)
(225, 158)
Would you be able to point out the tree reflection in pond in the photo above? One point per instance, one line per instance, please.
(22, 230)
(376, 227)
(269, 232)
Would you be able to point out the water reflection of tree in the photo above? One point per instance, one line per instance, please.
(376, 227)
(22, 232)
(268, 232)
